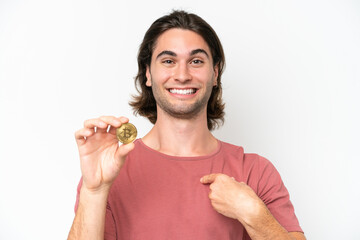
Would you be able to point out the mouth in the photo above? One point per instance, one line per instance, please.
(182, 91)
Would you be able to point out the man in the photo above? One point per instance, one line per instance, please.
(178, 181)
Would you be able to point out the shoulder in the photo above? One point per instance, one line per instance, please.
(231, 149)
(238, 152)
(251, 168)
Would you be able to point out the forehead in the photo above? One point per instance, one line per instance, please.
(180, 41)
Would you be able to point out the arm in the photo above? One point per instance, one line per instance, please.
(89, 222)
(237, 200)
(101, 159)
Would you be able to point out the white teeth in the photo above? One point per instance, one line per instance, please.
(182, 91)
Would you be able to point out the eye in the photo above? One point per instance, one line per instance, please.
(168, 61)
(197, 62)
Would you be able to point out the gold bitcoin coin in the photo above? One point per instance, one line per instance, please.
(126, 133)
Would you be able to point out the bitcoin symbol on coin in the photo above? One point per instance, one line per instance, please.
(126, 133)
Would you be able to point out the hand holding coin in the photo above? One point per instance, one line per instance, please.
(126, 133)
(101, 156)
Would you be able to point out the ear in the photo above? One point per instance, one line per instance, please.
(148, 76)
(216, 74)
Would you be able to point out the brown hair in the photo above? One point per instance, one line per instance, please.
(144, 104)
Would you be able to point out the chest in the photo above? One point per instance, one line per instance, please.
(157, 199)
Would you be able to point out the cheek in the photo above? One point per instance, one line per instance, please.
(203, 75)
(161, 76)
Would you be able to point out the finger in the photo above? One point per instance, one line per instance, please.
(95, 123)
(98, 124)
(208, 179)
(124, 150)
(102, 123)
(109, 121)
(113, 121)
(82, 134)
(113, 128)
(123, 119)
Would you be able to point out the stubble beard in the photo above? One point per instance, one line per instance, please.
(182, 110)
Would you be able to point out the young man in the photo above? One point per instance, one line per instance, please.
(178, 181)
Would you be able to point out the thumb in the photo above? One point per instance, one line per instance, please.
(124, 150)
(208, 179)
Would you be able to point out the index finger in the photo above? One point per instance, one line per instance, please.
(207, 179)
(104, 121)
(114, 121)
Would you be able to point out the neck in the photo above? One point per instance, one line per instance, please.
(181, 137)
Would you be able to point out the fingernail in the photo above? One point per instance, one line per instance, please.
(124, 119)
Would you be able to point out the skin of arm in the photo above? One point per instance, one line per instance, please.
(89, 222)
(101, 159)
(238, 201)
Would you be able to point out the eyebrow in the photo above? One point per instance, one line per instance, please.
(166, 52)
(173, 54)
(199, 50)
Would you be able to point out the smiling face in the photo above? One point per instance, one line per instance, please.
(181, 73)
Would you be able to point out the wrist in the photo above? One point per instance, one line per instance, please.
(254, 212)
(94, 187)
(96, 196)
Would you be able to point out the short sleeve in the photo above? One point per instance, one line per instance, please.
(274, 194)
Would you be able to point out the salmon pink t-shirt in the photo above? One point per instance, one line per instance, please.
(157, 196)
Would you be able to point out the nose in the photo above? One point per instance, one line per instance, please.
(182, 73)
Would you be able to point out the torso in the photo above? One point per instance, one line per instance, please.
(164, 198)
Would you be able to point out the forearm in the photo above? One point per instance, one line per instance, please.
(89, 222)
(263, 226)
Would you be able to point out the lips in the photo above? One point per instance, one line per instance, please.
(186, 91)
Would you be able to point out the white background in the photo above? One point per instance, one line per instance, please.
(291, 88)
